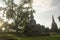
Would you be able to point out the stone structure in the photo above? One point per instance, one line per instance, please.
(54, 27)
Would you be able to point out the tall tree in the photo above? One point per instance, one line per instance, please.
(20, 14)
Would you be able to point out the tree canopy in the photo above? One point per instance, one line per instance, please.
(20, 14)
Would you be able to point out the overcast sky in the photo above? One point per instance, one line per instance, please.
(44, 11)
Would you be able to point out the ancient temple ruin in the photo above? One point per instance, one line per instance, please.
(54, 27)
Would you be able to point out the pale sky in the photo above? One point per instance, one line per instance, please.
(44, 10)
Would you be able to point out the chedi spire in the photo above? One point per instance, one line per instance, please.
(54, 27)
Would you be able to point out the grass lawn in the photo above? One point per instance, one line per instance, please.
(52, 37)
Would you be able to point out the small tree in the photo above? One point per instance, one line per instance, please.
(59, 18)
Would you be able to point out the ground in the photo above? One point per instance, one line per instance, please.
(10, 37)
(52, 37)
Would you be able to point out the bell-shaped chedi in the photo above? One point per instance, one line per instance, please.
(54, 27)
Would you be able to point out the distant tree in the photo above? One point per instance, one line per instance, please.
(47, 30)
(59, 29)
(30, 28)
(59, 18)
(34, 29)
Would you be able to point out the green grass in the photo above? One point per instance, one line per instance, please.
(51, 37)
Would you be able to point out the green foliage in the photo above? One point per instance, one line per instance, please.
(20, 14)
(47, 30)
(59, 18)
(10, 14)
